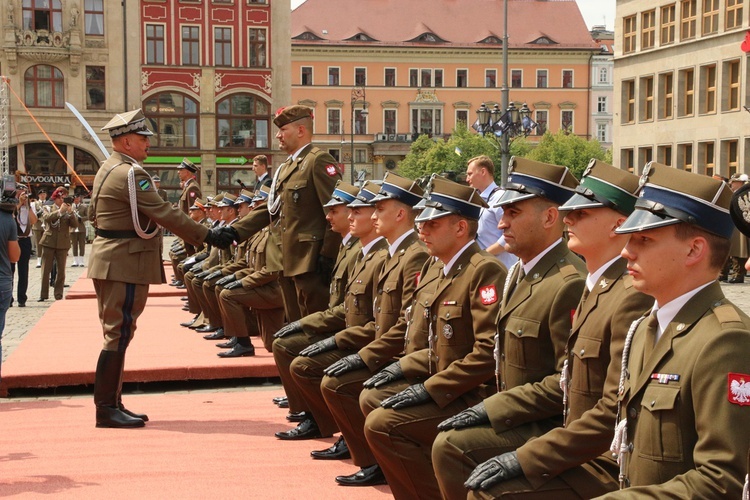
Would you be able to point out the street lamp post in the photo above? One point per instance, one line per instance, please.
(357, 94)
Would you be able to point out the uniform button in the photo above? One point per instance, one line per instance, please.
(502, 356)
(583, 351)
(630, 448)
(377, 327)
(632, 413)
(502, 386)
(653, 403)
(509, 422)
(447, 315)
(519, 332)
(378, 308)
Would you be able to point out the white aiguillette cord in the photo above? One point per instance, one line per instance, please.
(142, 233)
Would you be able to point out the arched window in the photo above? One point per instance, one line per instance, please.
(43, 87)
(174, 120)
(84, 162)
(242, 121)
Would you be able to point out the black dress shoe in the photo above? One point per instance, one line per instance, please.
(307, 429)
(237, 352)
(177, 283)
(186, 308)
(217, 335)
(22, 304)
(181, 287)
(366, 476)
(184, 299)
(283, 404)
(228, 344)
(279, 399)
(339, 451)
(207, 329)
(190, 323)
(41, 300)
(300, 416)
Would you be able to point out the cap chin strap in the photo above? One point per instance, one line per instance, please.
(142, 233)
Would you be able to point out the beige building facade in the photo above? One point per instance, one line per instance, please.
(681, 81)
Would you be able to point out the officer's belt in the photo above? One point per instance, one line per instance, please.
(116, 235)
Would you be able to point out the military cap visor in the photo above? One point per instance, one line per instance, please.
(127, 123)
(187, 165)
(440, 205)
(523, 187)
(365, 196)
(596, 193)
(339, 197)
(389, 190)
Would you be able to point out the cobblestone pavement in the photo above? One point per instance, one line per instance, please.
(19, 321)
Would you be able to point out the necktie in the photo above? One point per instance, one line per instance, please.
(584, 297)
(652, 331)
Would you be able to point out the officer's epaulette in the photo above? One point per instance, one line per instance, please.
(567, 270)
(726, 313)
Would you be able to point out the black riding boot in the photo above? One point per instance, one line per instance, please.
(142, 416)
(106, 387)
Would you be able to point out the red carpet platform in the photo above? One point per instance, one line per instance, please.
(83, 288)
(197, 445)
(62, 349)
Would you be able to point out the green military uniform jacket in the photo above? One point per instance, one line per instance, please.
(132, 260)
(57, 228)
(688, 403)
(395, 288)
(357, 308)
(594, 355)
(462, 316)
(342, 269)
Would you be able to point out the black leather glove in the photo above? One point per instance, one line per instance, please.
(203, 275)
(494, 470)
(226, 279)
(233, 284)
(470, 417)
(288, 329)
(221, 237)
(413, 395)
(320, 347)
(388, 374)
(213, 275)
(324, 267)
(347, 364)
(196, 268)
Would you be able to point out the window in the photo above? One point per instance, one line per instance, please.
(243, 121)
(95, 87)
(222, 46)
(360, 155)
(602, 104)
(627, 160)
(438, 78)
(307, 75)
(687, 92)
(647, 99)
(708, 85)
(426, 121)
(645, 155)
(42, 15)
(733, 14)
(603, 75)
(688, 19)
(426, 78)
(389, 121)
(336, 153)
(685, 157)
(333, 77)
(360, 77)
(174, 119)
(490, 78)
(664, 155)
(541, 78)
(667, 24)
(154, 44)
(628, 101)
(413, 77)
(256, 41)
(628, 36)
(707, 152)
(43, 86)
(566, 120)
(191, 42)
(666, 100)
(84, 163)
(731, 98)
(462, 116)
(334, 121)
(390, 77)
(360, 122)
(93, 17)
(730, 156)
(648, 29)
(41, 158)
(601, 132)
(516, 78)
(710, 17)
(541, 118)
(567, 78)
(462, 78)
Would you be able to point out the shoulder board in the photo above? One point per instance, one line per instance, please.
(568, 270)
(726, 313)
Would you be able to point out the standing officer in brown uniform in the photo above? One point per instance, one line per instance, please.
(305, 245)
(125, 258)
(453, 372)
(78, 235)
(191, 191)
(55, 242)
(684, 398)
(591, 372)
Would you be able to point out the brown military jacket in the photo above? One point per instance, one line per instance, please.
(342, 269)
(358, 299)
(534, 325)
(132, 260)
(462, 322)
(594, 355)
(256, 274)
(191, 191)
(57, 228)
(688, 403)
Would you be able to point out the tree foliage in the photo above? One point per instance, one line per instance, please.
(569, 150)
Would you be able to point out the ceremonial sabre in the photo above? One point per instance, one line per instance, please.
(88, 129)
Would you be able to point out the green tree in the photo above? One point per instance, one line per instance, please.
(569, 150)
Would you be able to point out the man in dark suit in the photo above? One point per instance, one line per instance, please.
(262, 175)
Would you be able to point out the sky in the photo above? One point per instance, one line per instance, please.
(595, 12)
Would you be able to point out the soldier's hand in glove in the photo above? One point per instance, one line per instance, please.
(221, 237)
(413, 395)
(293, 327)
(388, 374)
(470, 417)
(226, 279)
(494, 470)
(344, 365)
(213, 275)
(202, 275)
(232, 285)
(320, 347)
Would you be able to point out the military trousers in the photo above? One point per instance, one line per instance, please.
(304, 294)
(78, 243)
(50, 256)
(204, 293)
(267, 303)
(120, 305)
(285, 350)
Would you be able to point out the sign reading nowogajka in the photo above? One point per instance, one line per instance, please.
(45, 179)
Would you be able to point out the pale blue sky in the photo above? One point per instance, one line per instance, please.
(595, 12)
